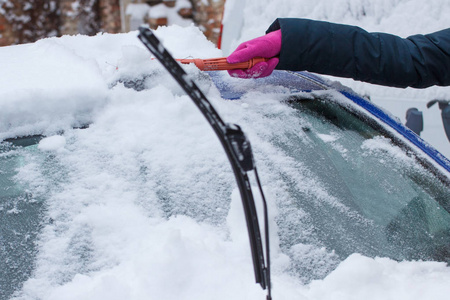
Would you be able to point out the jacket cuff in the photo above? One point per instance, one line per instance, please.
(291, 43)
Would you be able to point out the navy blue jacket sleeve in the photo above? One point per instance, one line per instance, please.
(347, 51)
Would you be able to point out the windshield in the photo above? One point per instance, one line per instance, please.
(21, 214)
(337, 185)
(372, 197)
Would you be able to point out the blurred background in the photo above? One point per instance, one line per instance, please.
(25, 21)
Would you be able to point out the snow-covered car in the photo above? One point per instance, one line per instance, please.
(124, 192)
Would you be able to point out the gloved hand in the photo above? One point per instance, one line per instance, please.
(267, 46)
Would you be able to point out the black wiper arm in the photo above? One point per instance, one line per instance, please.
(238, 150)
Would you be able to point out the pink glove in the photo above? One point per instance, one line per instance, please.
(267, 46)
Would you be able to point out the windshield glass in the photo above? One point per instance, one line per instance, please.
(372, 197)
(335, 186)
(21, 212)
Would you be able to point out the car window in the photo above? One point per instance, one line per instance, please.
(371, 195)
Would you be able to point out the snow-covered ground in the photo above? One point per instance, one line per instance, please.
(115, 241)
(247, 19)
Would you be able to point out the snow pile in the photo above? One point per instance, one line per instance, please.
(60, 83)
(401, 17)
(360, 277)
(53, 143)
(143, 202)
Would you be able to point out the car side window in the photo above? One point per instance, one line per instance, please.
(376, 198)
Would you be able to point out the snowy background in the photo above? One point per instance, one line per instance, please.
(107, 234)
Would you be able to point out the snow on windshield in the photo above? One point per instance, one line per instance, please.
(143, 203)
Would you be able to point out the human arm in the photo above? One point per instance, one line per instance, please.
(348, 51)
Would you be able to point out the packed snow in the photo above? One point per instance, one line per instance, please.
(108, 235)
(53, 143)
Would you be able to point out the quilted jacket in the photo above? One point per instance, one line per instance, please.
(348, 51)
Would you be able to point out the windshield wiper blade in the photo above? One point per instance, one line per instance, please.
(239, 153)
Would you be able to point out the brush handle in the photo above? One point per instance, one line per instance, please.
(218, 64)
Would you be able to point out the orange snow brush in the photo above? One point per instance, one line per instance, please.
(219, 64)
